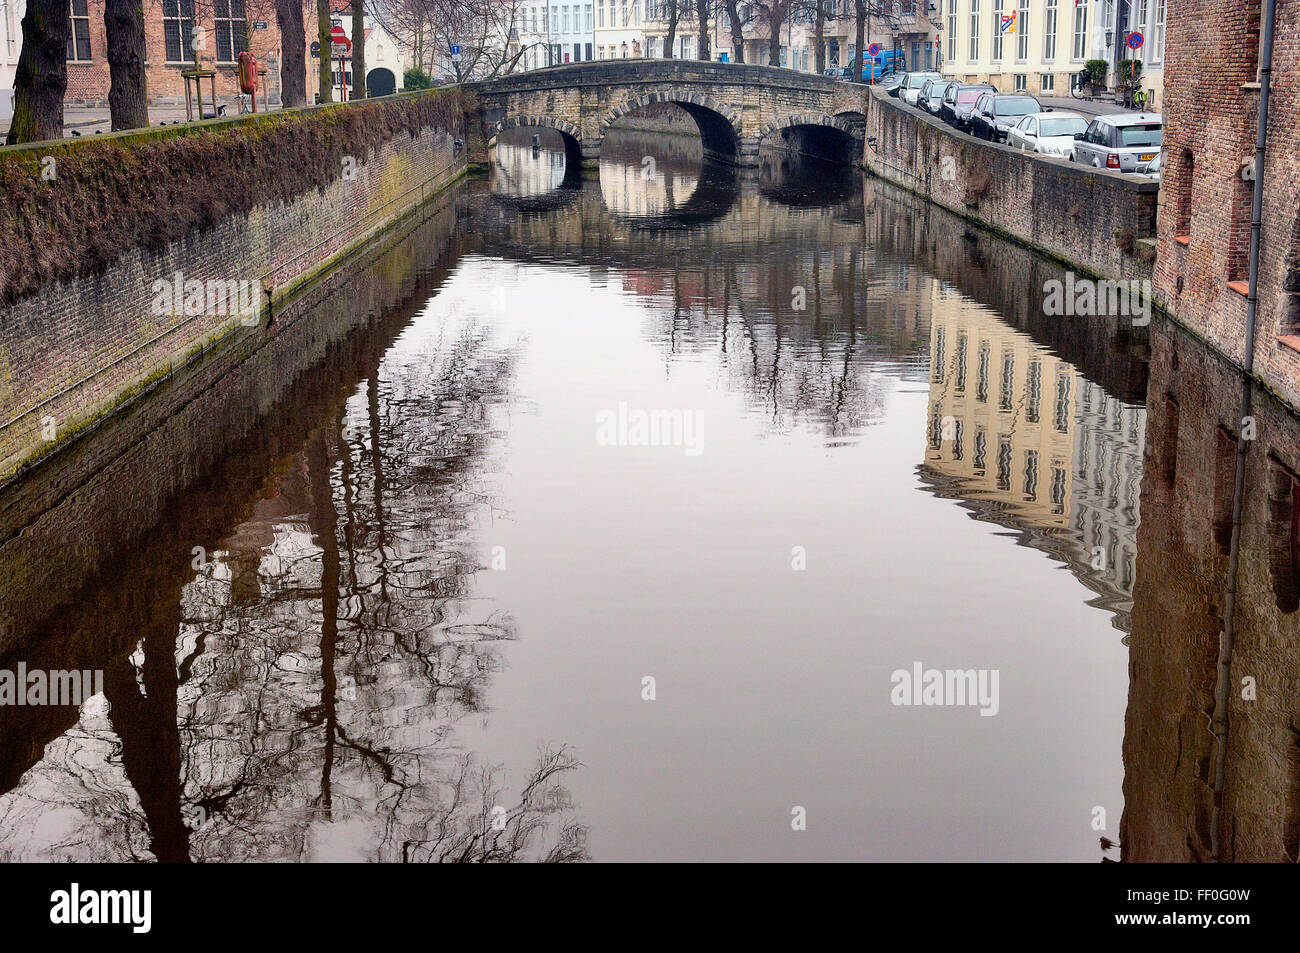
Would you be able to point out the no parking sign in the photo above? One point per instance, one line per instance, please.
(1134, 40)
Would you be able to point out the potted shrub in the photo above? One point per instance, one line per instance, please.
(1096, 70)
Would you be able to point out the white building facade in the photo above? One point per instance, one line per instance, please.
(11, 45)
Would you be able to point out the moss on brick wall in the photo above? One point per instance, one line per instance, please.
(109, 194)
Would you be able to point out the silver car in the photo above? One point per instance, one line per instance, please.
(931, 96)
(1122, 142)
(911, 87)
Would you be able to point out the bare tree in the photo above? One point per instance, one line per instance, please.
(323, 27)
(673, 13)
(737, 24)
(128, 102)
(42, 75)
(358, 49)
(293, 52)
(774, 13)
(703, 12)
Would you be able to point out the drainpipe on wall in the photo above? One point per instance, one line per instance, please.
(1222, 682)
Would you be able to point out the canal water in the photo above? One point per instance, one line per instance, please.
(617, 528)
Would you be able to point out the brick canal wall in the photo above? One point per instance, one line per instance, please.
(1094, 221)
(237, 215)
(1204, 239)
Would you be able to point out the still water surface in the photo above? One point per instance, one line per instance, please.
(433, 580)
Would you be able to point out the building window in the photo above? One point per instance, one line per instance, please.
(1080, 48)
(974, 30)
(1031, 476)
(1006, 392)
(600, 18)
(997, 30)
(1004, 462)
(982, 373)
(178, 30)
(589, 21)
(1158, 34)
(961, 363)
(952, 29)
(1034, 391)
(600, 52)
(1049, 82)
(1049, 30)
(1022, 32)
(232, 29)
(588, 51)
(79, 35)
(1022, 82)
(1062, 414)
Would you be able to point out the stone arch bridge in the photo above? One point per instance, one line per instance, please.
(737, 107)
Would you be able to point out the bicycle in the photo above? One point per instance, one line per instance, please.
(1079, 84)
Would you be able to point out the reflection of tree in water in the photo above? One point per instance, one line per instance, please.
(829, 366)
(299, 706)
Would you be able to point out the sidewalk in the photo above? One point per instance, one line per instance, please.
(1085, 107)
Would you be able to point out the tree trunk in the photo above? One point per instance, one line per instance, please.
(358, 49)
(326, 54)
(737, 31)
(858, 49)
(775, 20)
(820, 59)
(128, 102)
(42, 75)
(293, 53)
(702, 13)
(671, 38)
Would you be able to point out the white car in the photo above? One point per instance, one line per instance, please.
(912, 84)
(1047, 133)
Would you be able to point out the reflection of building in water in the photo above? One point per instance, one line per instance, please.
(522, 172)
(1178, 804)
(1031, 443)
(650, 188)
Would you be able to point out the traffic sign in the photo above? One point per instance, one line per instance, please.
(1134, 40)
(455, 51)
(874, 49)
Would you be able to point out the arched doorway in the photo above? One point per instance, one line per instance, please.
(380, 82)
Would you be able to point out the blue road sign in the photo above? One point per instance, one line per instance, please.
(1134, 40)
(455, 51)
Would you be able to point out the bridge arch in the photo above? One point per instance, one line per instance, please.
(836, 138)
(719, 125)
(570, 133)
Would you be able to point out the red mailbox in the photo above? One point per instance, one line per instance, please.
(247, 72)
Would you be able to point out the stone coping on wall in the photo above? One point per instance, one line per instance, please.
(607, 72)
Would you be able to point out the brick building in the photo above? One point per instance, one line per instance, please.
(1211, 109)
(221, 29)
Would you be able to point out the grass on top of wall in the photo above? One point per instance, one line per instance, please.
(71, 208)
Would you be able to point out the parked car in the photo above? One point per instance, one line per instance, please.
(893, 83)
(842, 73)
(912, 86)
(1047, 133)
(1153, 167)
(994, 114)
(1121, 141)
(932, 95)
(958, 100)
